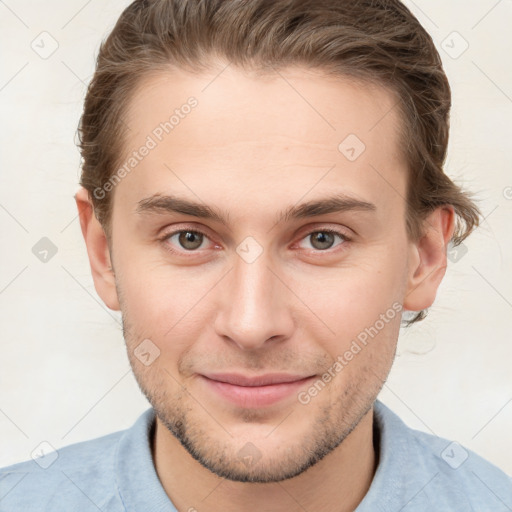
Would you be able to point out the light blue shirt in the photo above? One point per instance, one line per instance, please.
(416, 472)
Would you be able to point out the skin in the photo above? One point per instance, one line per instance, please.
(251, 148)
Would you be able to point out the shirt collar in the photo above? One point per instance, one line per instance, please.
(136, 477)
(388, 488)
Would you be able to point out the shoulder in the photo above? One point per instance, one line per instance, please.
(440, 472)
(462, 476)
(81, 474)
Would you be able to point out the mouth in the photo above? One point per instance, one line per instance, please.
(257, 391)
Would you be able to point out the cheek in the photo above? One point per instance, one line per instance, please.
(357, 305)
(356, 295)
(163, 303)
(150, 287)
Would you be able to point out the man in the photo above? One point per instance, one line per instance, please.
(263, 199)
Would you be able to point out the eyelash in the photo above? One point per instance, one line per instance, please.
(345, 239)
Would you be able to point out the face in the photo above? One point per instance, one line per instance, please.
(258, 280)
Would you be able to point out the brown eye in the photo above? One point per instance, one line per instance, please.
(322, 240)
(190, 240)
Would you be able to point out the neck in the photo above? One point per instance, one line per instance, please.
(337, 483)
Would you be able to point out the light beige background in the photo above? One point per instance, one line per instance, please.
(64, 373)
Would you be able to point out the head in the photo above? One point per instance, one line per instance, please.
(263, 192)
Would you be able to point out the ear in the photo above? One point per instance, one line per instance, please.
(427, 264)
(97, 250)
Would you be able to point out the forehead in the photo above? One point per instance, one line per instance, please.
(296, 131)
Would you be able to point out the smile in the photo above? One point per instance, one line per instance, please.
(254, 392)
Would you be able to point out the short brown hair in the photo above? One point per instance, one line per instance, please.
(375, 41)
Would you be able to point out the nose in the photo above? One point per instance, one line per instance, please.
(255, 305)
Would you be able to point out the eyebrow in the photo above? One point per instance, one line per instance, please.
(161, 204)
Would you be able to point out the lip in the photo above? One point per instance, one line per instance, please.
(254, 392)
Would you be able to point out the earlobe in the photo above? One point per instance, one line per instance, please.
(427, 261)
(97, 250)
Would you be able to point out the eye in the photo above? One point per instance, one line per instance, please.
(185, 239)
(192, 240)
(324, 239)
